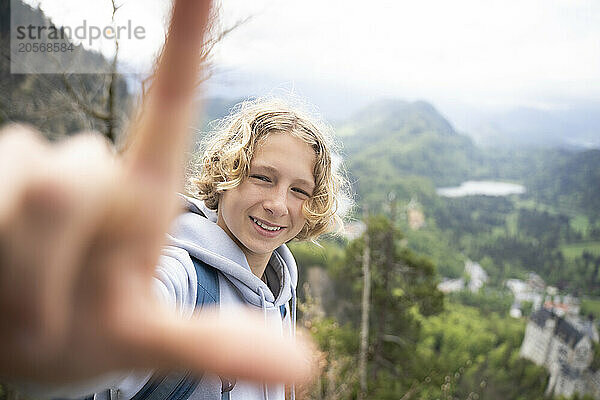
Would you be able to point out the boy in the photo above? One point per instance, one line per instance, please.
(265, 178)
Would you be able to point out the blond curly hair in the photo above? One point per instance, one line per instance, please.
(227, 152)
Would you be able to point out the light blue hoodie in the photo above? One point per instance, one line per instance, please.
(176, 284)
(202, 238)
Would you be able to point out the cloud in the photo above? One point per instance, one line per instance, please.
(484, 52)
(504, 50)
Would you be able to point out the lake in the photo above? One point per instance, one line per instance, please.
(485, 188)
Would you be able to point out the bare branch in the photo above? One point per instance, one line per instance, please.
(83, 104)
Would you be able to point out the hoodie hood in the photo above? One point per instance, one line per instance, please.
(196, 231)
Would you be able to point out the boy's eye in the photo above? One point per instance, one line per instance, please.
(297, 190)
(261, 178)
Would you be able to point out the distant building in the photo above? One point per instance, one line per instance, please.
(566, 352)
(551, 290)
(451, 285)
(565, 306)
(477, 275)
(515, 311)
(525, 291)
(536, 282)
(517, 286)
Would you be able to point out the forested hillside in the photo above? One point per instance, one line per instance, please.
(396, 160)
(392, 136)
(59, 104)
(570, 183)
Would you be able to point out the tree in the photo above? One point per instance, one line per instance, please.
(402, 284)
(364, 322)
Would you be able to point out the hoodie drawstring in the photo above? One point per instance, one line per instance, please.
(292, 331)
(263, 302)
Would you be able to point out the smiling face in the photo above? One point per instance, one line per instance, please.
(265, 210)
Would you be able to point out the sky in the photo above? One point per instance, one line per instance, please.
(538, 53)
(489, 54)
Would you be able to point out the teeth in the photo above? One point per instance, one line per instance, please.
(257, 222)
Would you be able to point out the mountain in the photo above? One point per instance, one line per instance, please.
(401, 117)
(576, 126)
(407, 148)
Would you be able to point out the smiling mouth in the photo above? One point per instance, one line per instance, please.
(265, 226)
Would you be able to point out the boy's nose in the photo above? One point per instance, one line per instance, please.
(276, 204)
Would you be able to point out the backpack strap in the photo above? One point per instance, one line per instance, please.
(208, 284)
(208, 293)
(173, 386)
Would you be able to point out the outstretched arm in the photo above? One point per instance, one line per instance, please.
(80, 234)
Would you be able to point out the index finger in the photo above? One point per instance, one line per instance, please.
(160, 134)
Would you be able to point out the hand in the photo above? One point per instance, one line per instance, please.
(80, 235)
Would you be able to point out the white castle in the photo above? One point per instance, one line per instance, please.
(565, 348)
